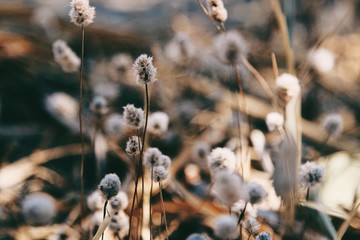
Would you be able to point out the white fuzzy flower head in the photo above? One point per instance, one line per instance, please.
(109, 185)
(311, 174)
(264, 236)
(160, 173)
(197, 236)
(180, 49)
(258, 140)
(165, 161)
(333, 124)
(158, 123)
(133, 116)
(152, 157)
(95, 201)
(274, 121)
(322, 60)
(231, 47)
(81, 14)
(114, 125)
(217, 10)
(221, 159)
(63, 108)
(133, 146)
(286, 87)
(144, 69)
(65, 57)
(118, 202)
(119, 222)
(226, 227)
(38, 209)
(119, 65)
(251, 225)
(200, 151)
(256, 193)
(229, 188)
(99, 105)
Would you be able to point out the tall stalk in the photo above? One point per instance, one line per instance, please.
(163, 209)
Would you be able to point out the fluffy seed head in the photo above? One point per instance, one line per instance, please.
(264, 236)
(251, 225)
(311, 174)
(274, 120)
(322, 60)
(229, 188)
(144, 69)
(133, 116)
(286, 87)
(118, 202)
(119, 65)
(258, 140)
(158, 123)
(114, 125)
(65, 57)
(221, 159)
(160, 173)
(95, 201)
(38, 209)
(225, 227)
(199, 153)
(133, 145)
(256, 193)
(217, 10)
(165, 161)
(109, 185)
(180, 49)
(119, 222)
(99, 105)
(81, 14)
(197, 236)
(152, 157)
(333, 124)
(231, 47)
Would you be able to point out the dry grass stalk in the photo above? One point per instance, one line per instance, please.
(105, 223)
(347, 222)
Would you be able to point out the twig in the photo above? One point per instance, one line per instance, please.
(211, 19)
(347, 222)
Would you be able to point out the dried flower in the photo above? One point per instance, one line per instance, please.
(38, 209)
(165, 161)
(217, 10)
(256, 193)
(231, 47)
(114, 125)
(286, 87)
(109, 185)
(274, 121)
(65, 57)
(95, 201)
(160, 173)
(63, 108)
(158, 123)
(152, 157)
(311, 174)
(81, 13)
(144, 69)
(221, 159)
(322, 59)
(133, 116)
(258, 140)
(229, 188)
(119, 222)
(333, 124)
(264, 236)
(225, 227)
(133, 145)
(197, 236)
(251, 225)
(118, 202)
(99, 105)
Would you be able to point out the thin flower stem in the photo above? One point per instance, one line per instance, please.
(134, 195)
(81, 131)
(151, 190)
(163, 209)
(308, 194)
(104, 215)
(220, 30)
(241, 217)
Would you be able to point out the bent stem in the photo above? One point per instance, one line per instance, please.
(163, 209)
(104, 215)
(81, 130)
(241, 217)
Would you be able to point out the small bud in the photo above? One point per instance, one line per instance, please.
(221, 159)
(226, 227)
(65, 57)
(158, 123)
(311, 174)
(274, 121)
(99, 105)
(217, 10)
(133, 116)
(109, 185)
(133, 146)
(286, 87)
(231, 47)
(144, 69)
(256, 193)
(81, 13)
(264, 236)
(152, 157)
(160, 173)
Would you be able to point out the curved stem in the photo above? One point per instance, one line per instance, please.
(151, 190)
(163, 209)
(134, 196)
(104, 215)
